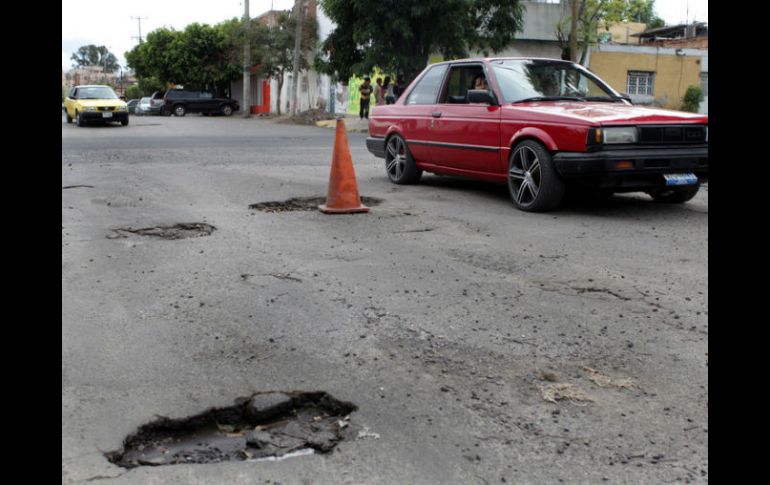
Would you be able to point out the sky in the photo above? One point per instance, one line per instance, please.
(113, 23)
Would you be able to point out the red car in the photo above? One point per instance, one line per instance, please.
(537, 125)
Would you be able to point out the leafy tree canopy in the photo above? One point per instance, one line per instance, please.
(92, 55)
(197, 56)
(400, 36)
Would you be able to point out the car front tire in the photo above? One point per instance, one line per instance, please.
(399, 163)
(69, 118)
(79, 119)
(533, 183)
(179, 110)
(227, 110)
(675, 195)
(124, 122)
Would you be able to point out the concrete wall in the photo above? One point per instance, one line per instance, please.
(527, 48)
(540, 20)
(673, 73)
(313, 93)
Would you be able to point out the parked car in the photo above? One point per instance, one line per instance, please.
(542, 125)
(90, 103)
(156, 101)
(145, 107)
(183, 101)
(131, 103)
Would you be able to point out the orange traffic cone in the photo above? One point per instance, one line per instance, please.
(342, 197)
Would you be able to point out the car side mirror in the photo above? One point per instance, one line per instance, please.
(481, 96)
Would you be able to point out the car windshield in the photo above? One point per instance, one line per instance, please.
(544, 80)
(100, 92)
(145, 101)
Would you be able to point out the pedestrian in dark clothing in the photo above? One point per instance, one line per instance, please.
(366, 92)
(400, 86)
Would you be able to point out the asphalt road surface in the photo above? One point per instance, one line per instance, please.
(481, 344)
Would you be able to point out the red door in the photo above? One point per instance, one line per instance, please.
(466, 137)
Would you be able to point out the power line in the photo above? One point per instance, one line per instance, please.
(139, 19)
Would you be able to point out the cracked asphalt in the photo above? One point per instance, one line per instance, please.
(480, 343)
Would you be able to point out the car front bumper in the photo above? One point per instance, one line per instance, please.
(99, 116)
(628, 168)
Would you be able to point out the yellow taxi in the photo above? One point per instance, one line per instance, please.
(95, 103)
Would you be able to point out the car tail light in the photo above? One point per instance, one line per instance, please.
(624, 164)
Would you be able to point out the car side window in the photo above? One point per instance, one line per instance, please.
(205, 95)
(74, 93)
(459, 81)
(426, 91)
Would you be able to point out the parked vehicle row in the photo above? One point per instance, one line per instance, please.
(92, 103)
(537, 125)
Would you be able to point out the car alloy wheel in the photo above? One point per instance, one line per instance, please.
(533, 183)
(399, 163)
(179, 110)
(227, 110)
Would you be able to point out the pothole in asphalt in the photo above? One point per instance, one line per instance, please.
(268, 425)
(303, 204)
(177, 231)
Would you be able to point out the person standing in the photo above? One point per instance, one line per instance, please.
(379, 94)
(400, 86)
(366, 91)
(390, 96)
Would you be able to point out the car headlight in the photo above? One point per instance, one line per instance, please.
(624, 134)
(122, 108)
(89, 108)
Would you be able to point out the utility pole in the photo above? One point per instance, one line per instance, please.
(246, 106)
(300, 10)
(139, 19)
(573, 32)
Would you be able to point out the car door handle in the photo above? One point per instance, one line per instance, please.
(436, 114)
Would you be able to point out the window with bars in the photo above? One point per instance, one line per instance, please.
(640, 83)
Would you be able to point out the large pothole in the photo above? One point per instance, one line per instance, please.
(177, 231)
(303, 204)
(271, 424)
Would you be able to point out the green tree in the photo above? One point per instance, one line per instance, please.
(400, 36)
(593, 13)
(199, 56)
(133, 92)
(692, 99)
(91, 55)
(272, 48)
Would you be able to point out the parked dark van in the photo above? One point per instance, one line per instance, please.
(182, 101)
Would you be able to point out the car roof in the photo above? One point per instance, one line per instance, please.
(491, 59)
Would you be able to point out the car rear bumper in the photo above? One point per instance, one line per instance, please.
(376, 146)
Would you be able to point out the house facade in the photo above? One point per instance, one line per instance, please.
(658, 67)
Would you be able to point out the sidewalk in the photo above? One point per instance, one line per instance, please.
(352, 122)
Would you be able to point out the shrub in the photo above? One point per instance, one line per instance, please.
(692, 99)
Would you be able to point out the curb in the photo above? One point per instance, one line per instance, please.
(333, 124)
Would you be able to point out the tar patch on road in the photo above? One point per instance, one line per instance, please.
(265, 425)
(303, 204)
(177, 231)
